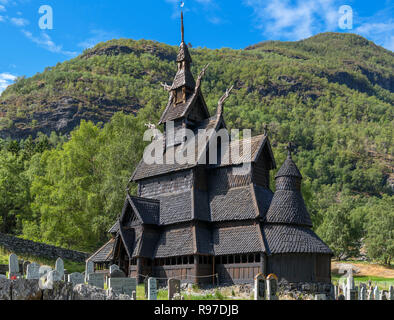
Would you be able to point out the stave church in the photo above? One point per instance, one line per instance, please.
(212, 223)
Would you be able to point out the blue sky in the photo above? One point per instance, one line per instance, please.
(79, 24)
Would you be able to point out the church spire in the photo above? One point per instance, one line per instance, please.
(182, 28)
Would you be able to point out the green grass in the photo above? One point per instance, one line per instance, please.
(382, 283)
(70, 266)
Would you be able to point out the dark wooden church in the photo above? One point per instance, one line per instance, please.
(191, 221)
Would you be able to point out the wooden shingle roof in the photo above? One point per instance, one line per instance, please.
(235, 240)
(104, 254)
(175, 242)
(292, 239)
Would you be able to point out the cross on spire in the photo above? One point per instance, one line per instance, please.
(290, 148)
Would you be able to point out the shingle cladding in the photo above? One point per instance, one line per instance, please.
(235, 240)
(288, 169)
(183, 53)
(148, 209)
(175, 241)
(292, 239)
(105, 253)
(183, 77)
(175, 207)
(287, 206)
(233, 204)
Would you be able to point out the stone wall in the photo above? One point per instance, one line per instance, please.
(31, 248)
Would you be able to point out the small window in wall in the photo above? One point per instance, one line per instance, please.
(179, 260)
(173, 261)
(224, 259)
(168, 262)
(251, 258)
(217, 260)
(244, 258)
(191, 259)
(230, 259)
(205, 260)
(237, 259)
(185, 259)
(257, 257)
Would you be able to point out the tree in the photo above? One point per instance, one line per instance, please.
(379, 240)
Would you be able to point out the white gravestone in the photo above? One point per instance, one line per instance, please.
(76, 278)
(89, 269)
(391, 293)
(272, 287)
(13, 266)
(44, 270)
(33, 271)
(59, 267)
(363, 293)
(152, 289)
(376, 293)
(113, 267)
(96, 280)
(259, 287)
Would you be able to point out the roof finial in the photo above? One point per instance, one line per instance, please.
(290, 148)
(182, 27)
(265, 129)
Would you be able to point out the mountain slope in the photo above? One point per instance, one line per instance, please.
(124, 75)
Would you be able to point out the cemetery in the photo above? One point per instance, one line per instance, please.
(40, 282)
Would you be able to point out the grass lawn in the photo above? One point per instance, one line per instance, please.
(71, 266)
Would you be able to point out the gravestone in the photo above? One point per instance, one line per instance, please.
(152, 289)
(54, 276)
(363, 293)
(353, 294)
(341, 297)
(13, 266)
(384, 295)
(259, 287)
(59, 267)
(134, 295)
(44, 270)
(116, 284)
(123, 285)
(117, 273)
(376, 293)
(174, 287)
(33, 271)
(113, 267)
(349, 293)
(336, 292)
(24, 266)
(272, 287)
(76, 278)
(130, 286)
(369, 294)
(96, 280)
(391, 293)
(89, 269)
(320, 296)
(146, 286)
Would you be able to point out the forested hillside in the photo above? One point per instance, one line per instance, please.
(332, 95)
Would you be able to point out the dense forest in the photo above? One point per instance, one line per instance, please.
(72, 135)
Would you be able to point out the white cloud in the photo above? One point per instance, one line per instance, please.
(19, 22)
(2, 8)
(382, 33)
(45, 41)
(294, 20)
(1, 19)
(5, 80)
(97, 36)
